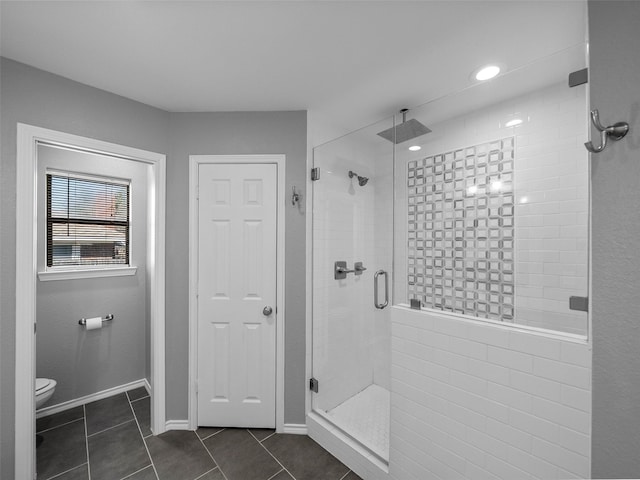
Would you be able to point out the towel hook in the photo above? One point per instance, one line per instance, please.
(615, 132)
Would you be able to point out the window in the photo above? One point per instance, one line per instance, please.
(87, 221)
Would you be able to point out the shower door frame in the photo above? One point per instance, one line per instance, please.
(380, 465)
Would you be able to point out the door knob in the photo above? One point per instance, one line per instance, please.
(266, 311)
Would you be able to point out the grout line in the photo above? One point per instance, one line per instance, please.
(61, 425)
(210, 454)
(254, 437)
(111, 428)
(138, 399)
(86, 441)
(279, 463)
(135, 418)
(58, 475)
(267, 437)
(208, 471)
(137, 471)
(276, 474)
(209, 436)
(345, 475)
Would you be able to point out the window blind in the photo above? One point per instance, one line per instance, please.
(87, 221)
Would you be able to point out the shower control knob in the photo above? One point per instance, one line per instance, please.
(266, 311)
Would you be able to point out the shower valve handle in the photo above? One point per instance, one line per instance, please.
(344, 270)
(340, 270)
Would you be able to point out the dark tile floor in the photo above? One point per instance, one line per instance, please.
(111, 439)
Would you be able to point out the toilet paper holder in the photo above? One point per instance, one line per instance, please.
(107, 318)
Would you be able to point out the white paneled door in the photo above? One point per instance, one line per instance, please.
(237, 295)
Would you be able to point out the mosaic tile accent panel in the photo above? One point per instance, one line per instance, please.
(461, 230)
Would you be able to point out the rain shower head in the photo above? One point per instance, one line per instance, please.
(362, 181)
(407, 130)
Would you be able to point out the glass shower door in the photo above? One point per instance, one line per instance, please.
(353, 224)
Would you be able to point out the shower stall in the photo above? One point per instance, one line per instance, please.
(470, 210)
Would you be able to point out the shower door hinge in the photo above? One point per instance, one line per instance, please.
(313, 385)
(579, 77)
(579, 303)
(315, 174)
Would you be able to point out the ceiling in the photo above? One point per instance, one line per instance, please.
(354, 61)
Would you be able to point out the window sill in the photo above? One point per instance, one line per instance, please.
(88, 273)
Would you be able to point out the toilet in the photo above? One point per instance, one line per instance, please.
(44, 389)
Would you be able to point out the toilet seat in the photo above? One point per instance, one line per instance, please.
(45, 387)
(43, 384)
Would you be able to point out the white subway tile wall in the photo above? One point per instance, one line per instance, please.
(486, 401)
(551, 187)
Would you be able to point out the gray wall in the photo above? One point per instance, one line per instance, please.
(614, 30)
(39, 98)
(235, 133)
(85, 362)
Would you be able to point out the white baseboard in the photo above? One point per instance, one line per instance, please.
(61, 407)
(147, 385)
(291, 428)
(295, 428)
(177, 425)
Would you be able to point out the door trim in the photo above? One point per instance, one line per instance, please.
(194, 162)
(26, 271)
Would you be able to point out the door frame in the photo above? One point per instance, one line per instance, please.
(26, 275)
(194, 163)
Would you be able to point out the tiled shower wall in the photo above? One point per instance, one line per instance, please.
(473, 400)
(551, 198)
(351, 338)
(461, 230)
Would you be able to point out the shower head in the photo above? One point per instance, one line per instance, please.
(407, 130)
(362, 181)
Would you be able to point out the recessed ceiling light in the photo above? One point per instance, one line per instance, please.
(513, 123)
(415, 148)
(485, 73)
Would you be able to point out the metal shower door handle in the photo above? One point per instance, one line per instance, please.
(386, 289)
